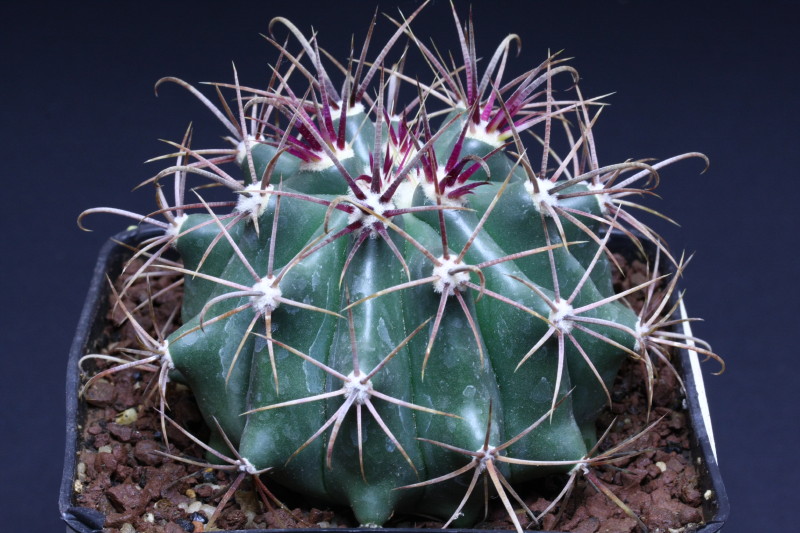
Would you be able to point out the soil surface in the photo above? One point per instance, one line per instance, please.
(122, 472)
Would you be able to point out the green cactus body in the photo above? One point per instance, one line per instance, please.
(473, 361)
(388, 303)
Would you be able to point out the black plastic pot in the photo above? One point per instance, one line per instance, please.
(89, 338)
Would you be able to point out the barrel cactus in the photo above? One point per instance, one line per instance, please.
(397, 294)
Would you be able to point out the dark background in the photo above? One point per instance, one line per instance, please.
(79, 118)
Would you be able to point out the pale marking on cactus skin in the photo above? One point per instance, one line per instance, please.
(357, 388)
(254, 199)
(430, 192)
(404, 196)
(543, 198)
(484, 455)
(241, 148)
(166, 357)
(245, 466)
(174, 229)
(479, 133)
(355, 109)
(558, 317)
(270, 295)
(448, 282)
(580, 468)
(603, 198)
(640, 333)
(372, 201)
(325, 161)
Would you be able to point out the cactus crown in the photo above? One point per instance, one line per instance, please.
(396, 295)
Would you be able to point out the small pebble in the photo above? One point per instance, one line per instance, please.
(101, 394)
(185, 525)
(146, 452)
(80, 470)
(123, 433)
(126, 417)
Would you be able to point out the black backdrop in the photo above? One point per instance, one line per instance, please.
(79, 118)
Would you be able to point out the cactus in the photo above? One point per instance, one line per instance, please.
(389, 286)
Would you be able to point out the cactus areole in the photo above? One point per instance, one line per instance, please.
(401, 297)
